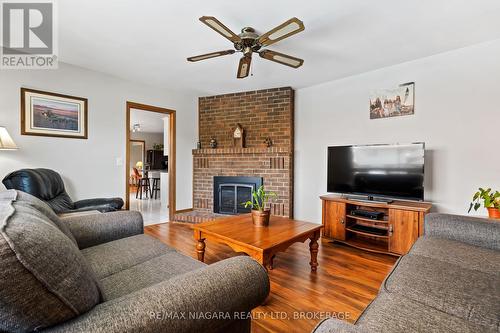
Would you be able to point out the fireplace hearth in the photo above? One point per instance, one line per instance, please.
(230, 192)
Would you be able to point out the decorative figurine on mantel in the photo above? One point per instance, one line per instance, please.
(239, 137)
(268, 142)
(213, 143)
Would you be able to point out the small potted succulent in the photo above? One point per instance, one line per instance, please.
(260, 214)
(490, 201)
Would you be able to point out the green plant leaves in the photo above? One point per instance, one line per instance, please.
(488, 199)
(260, 198)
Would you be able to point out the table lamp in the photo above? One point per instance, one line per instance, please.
(139, 165)
(6, 142)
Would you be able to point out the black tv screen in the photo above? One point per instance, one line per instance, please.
(391, 171)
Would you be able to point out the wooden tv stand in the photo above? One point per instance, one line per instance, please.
(394, 233)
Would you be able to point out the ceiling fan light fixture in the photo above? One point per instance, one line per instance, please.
(286, 30)
(210, 55)
(249, 42)
(289, 61)
(215, 24)
(218, 27)
(200, 58)
(244, 67)
(281, 58)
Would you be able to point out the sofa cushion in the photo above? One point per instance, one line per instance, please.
(391, 313)
(108, 258)
(45, 210)
(475, 231)
(44, 279)
(458, 253)
(469, 294)
(148, 273)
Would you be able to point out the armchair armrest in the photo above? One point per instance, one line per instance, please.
(100, 204)
(227, 291)
(472, 230)
(90, 230)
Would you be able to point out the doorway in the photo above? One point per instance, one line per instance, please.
(157, 164)
(137, 158)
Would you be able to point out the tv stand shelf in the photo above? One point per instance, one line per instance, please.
(360, 218)
(399, 226)
(369, 233)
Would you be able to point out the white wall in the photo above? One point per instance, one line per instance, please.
(150, 138)
(136, 154)
(457, 115)
(89, 167)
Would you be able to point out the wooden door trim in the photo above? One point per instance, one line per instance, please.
(171, 153)
(143, 149)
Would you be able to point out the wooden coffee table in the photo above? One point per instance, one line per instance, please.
(261, 243)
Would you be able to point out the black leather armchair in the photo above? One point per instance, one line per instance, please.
(48, 186)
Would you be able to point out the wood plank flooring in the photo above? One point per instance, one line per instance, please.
(345, 283)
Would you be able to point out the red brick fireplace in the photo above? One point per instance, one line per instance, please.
(262, 114)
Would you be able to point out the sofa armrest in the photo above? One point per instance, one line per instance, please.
(336, 326)
(100, 204)
(204, 300)
(472, 230)
(91, 230)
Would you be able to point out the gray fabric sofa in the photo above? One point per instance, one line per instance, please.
(100, 273)
(448, 282)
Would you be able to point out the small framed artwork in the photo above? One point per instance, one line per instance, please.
(49, 114)
(393, 102)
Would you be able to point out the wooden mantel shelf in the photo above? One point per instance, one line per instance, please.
(228, 151)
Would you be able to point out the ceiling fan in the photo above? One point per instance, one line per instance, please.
(248, 42)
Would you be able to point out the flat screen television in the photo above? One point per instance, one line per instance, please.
(394, 171)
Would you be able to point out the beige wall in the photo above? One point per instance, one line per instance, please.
(150, 138)
(136, 154)
(456, 115)
(93, 167)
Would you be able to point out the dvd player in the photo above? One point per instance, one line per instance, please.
(368, 214)
(362, 228)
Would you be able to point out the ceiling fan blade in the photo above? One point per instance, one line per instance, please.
(282, 31)
(281, 58)
(209, 55)
(215, 24)
(244, 67)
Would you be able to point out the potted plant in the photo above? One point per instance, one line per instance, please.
(260, 214)
(490, 199)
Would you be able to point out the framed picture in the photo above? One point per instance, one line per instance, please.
(395, 102)
(49, 114)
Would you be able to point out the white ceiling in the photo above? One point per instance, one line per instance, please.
(151, 122)
(148, 41)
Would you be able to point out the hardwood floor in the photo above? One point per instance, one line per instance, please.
(345, 283)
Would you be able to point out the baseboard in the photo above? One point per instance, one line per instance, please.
(183, 210)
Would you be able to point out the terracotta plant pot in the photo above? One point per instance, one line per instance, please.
(261, 218)
(494, 213)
